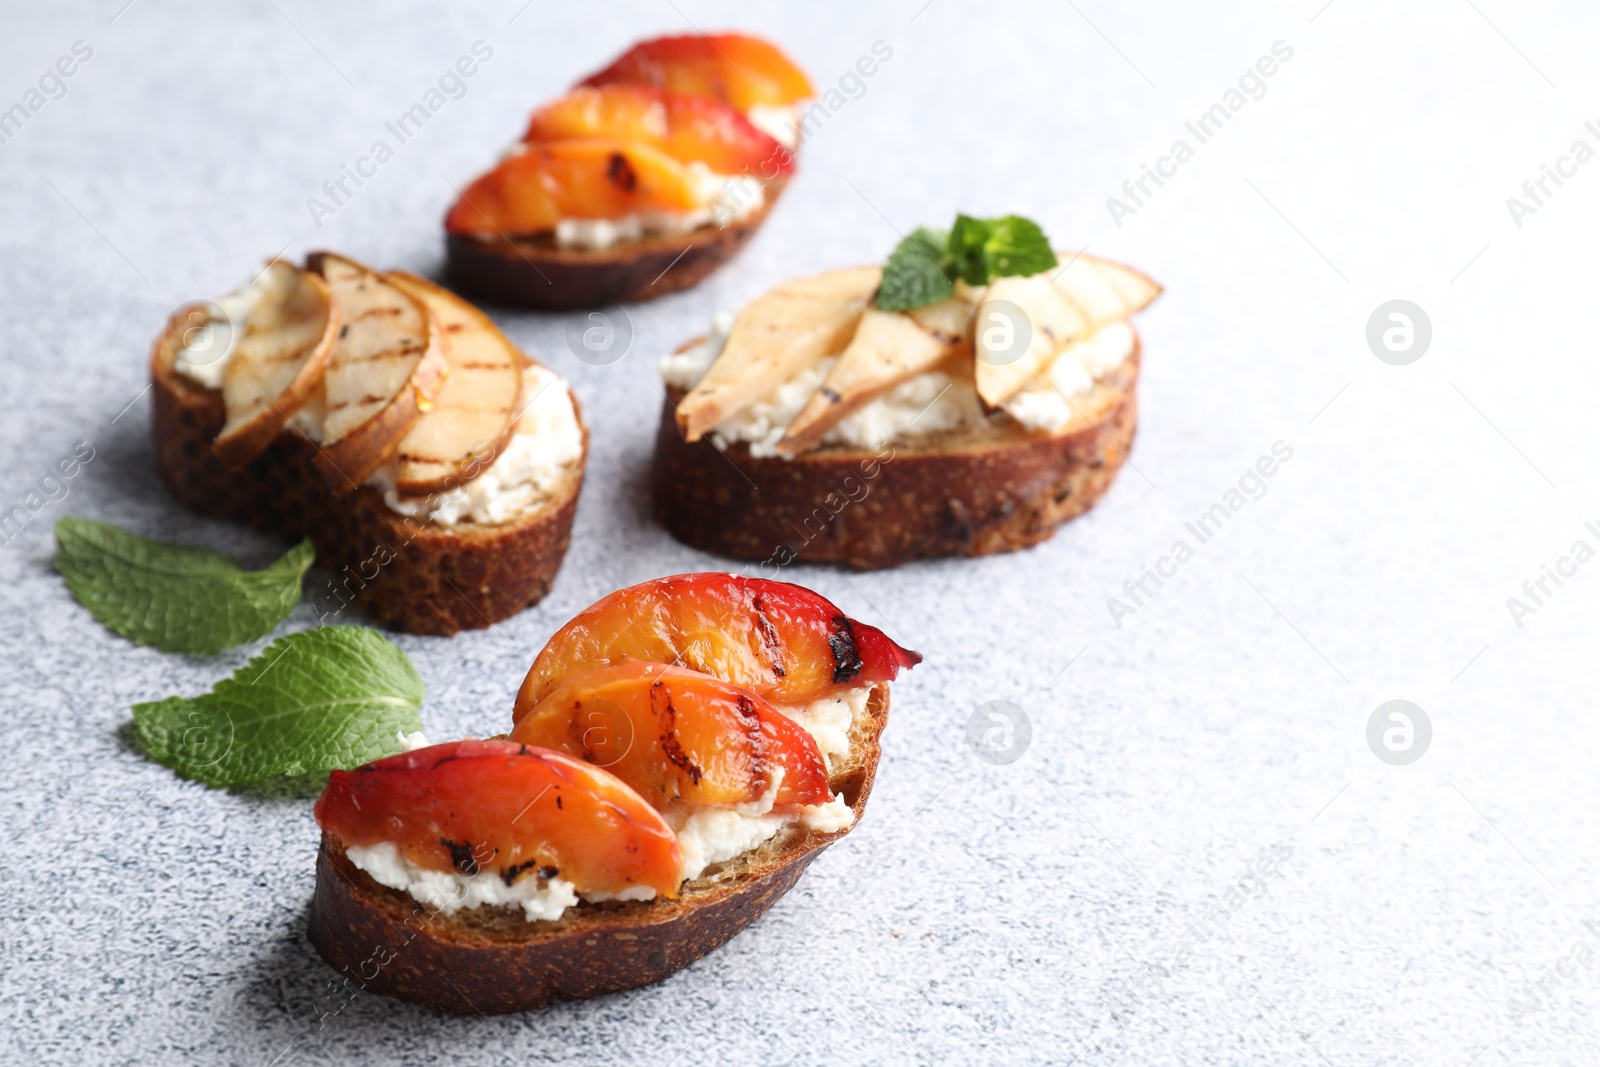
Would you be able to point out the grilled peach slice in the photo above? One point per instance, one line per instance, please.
(471, 806)
(780, 641)
(601, 179)
(690, 129)
(677, 736)
(732, 67)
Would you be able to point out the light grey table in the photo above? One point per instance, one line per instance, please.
(1092, 901)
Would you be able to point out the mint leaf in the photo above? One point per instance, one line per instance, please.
(918, 272)
(1016, 245)
(967, 238)
(315, 701)
(177, 598)
(923, 267)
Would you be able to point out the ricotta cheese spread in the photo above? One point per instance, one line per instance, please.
(724, 198)
(683, 370)
(718, 833)
(828, 720)
(450, 891)
(534, 465)
(929, 403)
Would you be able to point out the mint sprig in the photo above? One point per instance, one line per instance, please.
(923, 268)
(312, 702)
(177, 598)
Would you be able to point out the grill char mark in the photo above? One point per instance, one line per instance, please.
(769, 636)
(667, 716)
(620, 171)
(461, 857)
(759, 764)
(846, 656)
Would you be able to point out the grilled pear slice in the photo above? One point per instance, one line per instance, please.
(1012, 348)
(278, 362)
(474, 414)
(1106, 291)
(889, 347)
(384, 373)
(1060, 305)
(775, 337)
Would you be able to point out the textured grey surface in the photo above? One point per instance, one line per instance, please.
(1016, 912)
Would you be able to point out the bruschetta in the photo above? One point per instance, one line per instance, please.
(433, 464)
(679, 753)
(641, 181)
(818, 425)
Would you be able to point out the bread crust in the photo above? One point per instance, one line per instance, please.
(409, 575)
(969, 493)
(491, 961)
(535, 274)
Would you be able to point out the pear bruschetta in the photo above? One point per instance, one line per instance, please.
(641, 181)
(435, 466)
(836, 419)
(646, 806)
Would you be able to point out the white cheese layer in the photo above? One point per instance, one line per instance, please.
(535, 464)
(718, 833)
(828, 720)
(724, 198)
(450, 891)
(683, 370)
(926, 404)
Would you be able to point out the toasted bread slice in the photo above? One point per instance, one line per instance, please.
(994, 487)
(409, 574)
(534, 273)
(491, 960)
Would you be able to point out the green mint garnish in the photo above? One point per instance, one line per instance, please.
(923, 267)
(916, 272)
(177, 598)
(312, 702)
(966, 250)
(1016, 245)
